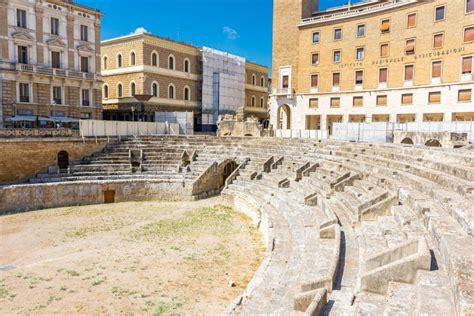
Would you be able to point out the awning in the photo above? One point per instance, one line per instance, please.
(64, 119)
(23, 118)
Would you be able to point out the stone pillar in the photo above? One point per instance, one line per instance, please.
(324, 121)
(70, 40)
(4, 54)
(97, 26)
(39, 35)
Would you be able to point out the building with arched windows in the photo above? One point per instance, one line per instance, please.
(374, 61)
(178, 77)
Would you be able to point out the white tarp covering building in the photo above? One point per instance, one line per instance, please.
(185, 120)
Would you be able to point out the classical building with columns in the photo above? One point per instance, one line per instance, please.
(49, 63)
(376, 61)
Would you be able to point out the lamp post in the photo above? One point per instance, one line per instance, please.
(54, 113)
(133, 114)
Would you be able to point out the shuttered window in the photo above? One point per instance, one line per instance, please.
(434, 97)
(313, 103)
(438, 40)
(469, 6)
(467, 65)
(381, 100)
(315, 58)
(359, 77)
(385, 27)
(336, 79)
(436, 68)
(410, 47)
(314, 81)
(465, 95)
(409, 69)
(411, 20)
(335, 102)
(383, 75)
(358, 101)
(469, 34)
(285, 82)
(407, 99)
(384, 50)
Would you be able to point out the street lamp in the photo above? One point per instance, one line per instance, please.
(54, 113)
(133, 114)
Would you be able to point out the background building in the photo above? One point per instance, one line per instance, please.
(49, 62)
(377, 61)
(147, 77)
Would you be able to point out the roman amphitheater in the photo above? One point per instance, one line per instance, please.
(348, 228)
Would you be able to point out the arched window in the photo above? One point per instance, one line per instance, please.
(254, 80)
(187, 94)
(171, 62)
(106, 91)
(262, 101)
(154, 89)
(132, 58)
(262, 82)
(119, 90)
(119, 60)
(253, 100)
(186, 65)
(171, 94)
(132, 88)
(105, 62)
(154, 59)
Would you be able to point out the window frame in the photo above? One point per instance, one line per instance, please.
(54, 26)
(388, 49)
(405, 71)
(119, 90)
(153, 84)
(363, 53)
(355, 77)
(434, 40)
(436, 11)
(334, 55)
(387, 71)
(319, 37)
(19, 21)
(464, 34)
(414, 46)
(334, 34)
(155, 53)
(312, 60)
(466, 7)
(132, 58)
(364, 25)
(389, 26)
(84, 35)
(119, 60)
(441, 70)
(332, 82)
(171, 57)
(105, 91)
(408, 20)
(172, 96)
(430, 93)
(311, 80)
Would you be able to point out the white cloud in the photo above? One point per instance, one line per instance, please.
(230, 32)
(139, 30)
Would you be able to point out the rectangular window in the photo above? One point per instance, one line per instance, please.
(467, 65)
(57, 95)
(410, 46)
(24, 92)
(313, 103)
(384, 50)
(407, 99)
(84, 33)
(85, 97)
(358, 102)
(383, 75)
(335, 102)
(84, 64)
(337, 34)
(440, 13)
(434, 97)
(409, 72)
(315, 59)
(314, 81)
(21, 18)
(469, 34)
(385, 27)
(55, 60)
(360, 53)
(361, 30)
(436, 69)
(465, 95)
(54, 26)
(411, 20)
(438, 40)
(469, 6)
(285, 82)
(337, 56)
(316, 37)
(381, 100)
(23, 54)
(336, 79)
(359, 77)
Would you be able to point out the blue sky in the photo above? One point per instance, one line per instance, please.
(242, 27)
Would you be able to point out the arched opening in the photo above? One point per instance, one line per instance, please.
(106, 91)
(228, 167)
(119, 90)
(284, 117)
(154, 89)
(105, 62)
(154, 59)
(133, 88)
(119, 60)
(132, 59)
(171, 63)
(186, 65)
(63, 160)
(433, 143)
(171, 92)
(186, 94)
(407, 141)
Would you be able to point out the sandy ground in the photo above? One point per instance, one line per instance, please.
(128, 258)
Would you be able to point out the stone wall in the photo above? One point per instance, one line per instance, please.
(38, 132)
(23, 158)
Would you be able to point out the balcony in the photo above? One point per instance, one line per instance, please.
(24, 99)
(85, 103)
(44, 70)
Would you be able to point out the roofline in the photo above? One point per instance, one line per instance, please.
(77, 5)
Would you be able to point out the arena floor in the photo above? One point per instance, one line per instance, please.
(136, 257)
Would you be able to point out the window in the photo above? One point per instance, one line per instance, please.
(407, 99)
(440, 13)
(315, 59)
(359, 77)
(436, 69)
(55, 60)
(24, 92)
(119, 61)
(262, 102)
(54, 26)
(411, 20)
(106, 91)
(84, 64)
(186, 94)
(316, 37)
(313, 103)
(119, 90)
(361, 30)
(336, 79)
(410, 46)
(358, 102)
(105, 62)
(467, 65)
(285, 83)
(438, 40)
(132, 59)
(381, 100)
(171, 63)
(469, 34)
(465, 95)
(21, 18)
(186, 65)
(383, 75)
(23, 54)
(171, 92)
(254, 80)
(434, 97)
(337, 34)
(409, 70)
(253, 101)
(84, 33)
(385, 26)
(262, 81)
(86, 97)
(57, 95)
(133, 89)
(337, 56)
(384, 50)
(335, 102)
(314, 81)
(154, 59)
(469, 6)
(360, 53)
(154, 89)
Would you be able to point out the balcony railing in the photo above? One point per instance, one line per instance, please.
(24, 99)
(85, 103)
(49, 71)
(58, 101)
